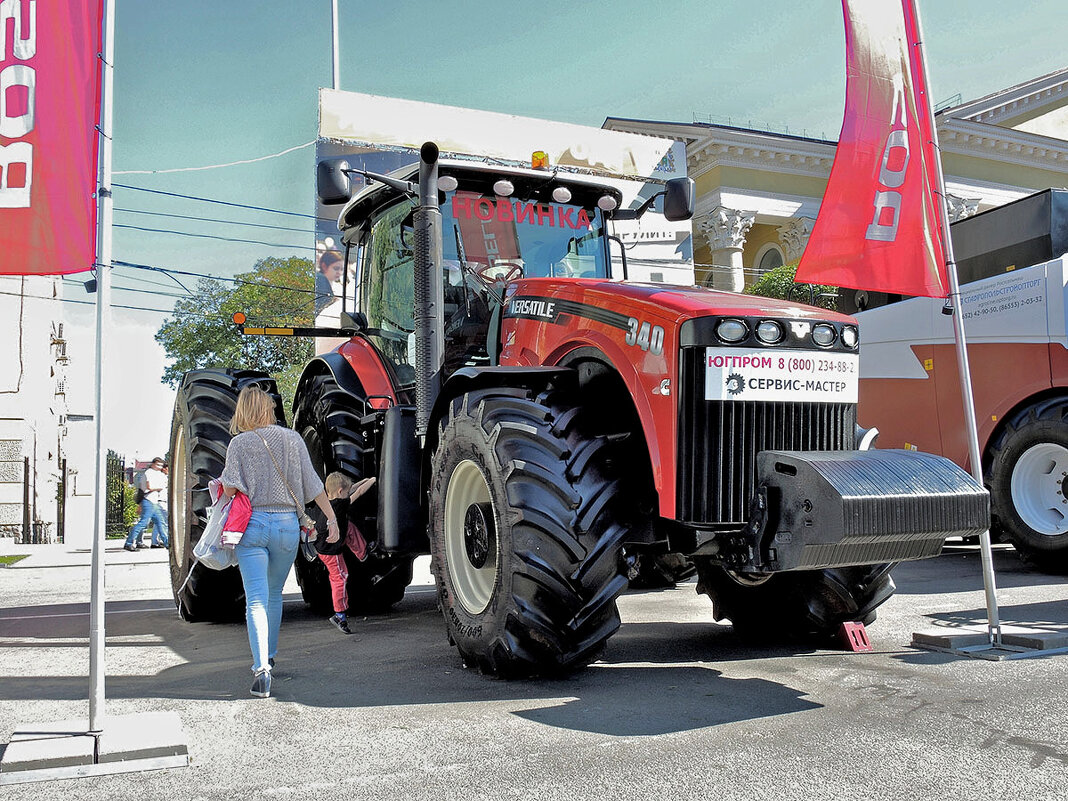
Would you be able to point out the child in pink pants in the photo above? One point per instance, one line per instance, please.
(341, 492)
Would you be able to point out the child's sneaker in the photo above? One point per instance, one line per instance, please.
(341, 624)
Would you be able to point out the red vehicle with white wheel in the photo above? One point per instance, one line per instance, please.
(1014, 288)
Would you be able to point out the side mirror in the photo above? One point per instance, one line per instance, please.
(679, 199)
(332, 182)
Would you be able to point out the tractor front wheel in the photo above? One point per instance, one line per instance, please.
(525, 533)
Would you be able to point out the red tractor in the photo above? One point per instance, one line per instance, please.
(539, 427)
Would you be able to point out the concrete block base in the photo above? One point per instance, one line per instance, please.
(66, 750)
(1016, 642)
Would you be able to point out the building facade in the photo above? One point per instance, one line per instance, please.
(758, 193)
(33, 408)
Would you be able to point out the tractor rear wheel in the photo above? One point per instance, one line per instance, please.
(525, 533)
(199, 437)
(328, 419)
(805, 605)
(1029, 484)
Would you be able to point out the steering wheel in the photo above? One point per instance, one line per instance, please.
(491, 273)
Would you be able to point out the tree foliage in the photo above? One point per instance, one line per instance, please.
(200, 333)
(779, 283)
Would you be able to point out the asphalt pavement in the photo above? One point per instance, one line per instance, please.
(678, 707)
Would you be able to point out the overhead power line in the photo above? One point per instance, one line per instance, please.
(214, 220)
(114, 305)
(76, 282)
(212, 236)
(222, 202)
(215, 166)
(169, 271)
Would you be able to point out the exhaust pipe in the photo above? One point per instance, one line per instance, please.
(429, 291)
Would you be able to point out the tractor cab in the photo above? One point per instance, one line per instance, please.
(499, 224)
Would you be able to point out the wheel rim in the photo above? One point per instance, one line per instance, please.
(748, 579)
(1038, 488)
(180, 497)
(473, 581)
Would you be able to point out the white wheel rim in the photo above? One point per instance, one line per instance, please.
(178, 494)
(1037, 488)
(472, 585)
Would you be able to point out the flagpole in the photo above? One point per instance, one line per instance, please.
(335, 44)
(103, 303)
(963, 367)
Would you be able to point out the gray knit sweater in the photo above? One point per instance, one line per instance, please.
(249, 468)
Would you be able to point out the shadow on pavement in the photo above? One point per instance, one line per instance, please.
(398, 659)
(931, 576)
(664, 700)
(1041, 615)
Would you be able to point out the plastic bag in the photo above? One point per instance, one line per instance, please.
(209, 550)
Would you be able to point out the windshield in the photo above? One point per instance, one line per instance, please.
(499, 237)
(487, 242)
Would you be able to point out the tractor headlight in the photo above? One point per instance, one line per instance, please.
(850, 336)
(824, 335)
(732, 331)
(769, 332)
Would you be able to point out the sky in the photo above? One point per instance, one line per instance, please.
(206, 82)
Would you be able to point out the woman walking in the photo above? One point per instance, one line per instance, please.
(269, 464)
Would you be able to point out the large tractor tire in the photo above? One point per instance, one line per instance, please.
(1028, 479)
(805, 605)
(328, 419)
(199, 438)
(525, 533)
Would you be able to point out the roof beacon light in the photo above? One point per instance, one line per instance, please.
(239, 318)
(539, 160)
(607, 203)
(503, 188)
(562, 194)
(447, 183)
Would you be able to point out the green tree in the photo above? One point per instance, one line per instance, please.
(200, 333)
(779, 283)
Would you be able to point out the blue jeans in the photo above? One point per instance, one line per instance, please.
(150, 513)
(265, 555)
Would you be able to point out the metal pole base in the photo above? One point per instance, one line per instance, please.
(1015, 643)
(47, 752)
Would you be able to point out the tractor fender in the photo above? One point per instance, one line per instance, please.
(357, 368)
(336, 365)
(655, 408)
(467, 379)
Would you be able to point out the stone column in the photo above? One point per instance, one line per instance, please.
(794, 236)
(961, 207)
(725, 229)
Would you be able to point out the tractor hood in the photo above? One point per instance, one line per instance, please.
(682, 303)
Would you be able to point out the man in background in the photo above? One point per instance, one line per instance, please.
(155, 488)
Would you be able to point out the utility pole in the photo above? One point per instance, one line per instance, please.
(336, 47)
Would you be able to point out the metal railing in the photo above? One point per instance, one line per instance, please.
(116, 495)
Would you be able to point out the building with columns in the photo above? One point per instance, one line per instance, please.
(758, 193)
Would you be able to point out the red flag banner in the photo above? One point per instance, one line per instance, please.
(49, 109)
(878, 227)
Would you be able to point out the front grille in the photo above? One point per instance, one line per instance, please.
(719, 441)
